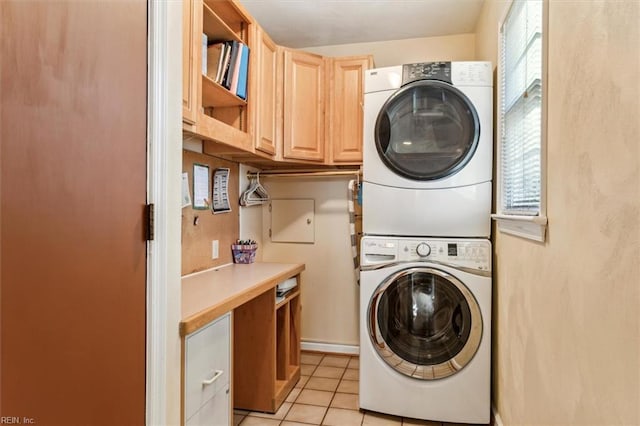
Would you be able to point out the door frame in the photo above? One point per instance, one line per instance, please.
(164, 163)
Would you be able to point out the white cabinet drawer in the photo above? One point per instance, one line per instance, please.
(216, 411)
(206, 364)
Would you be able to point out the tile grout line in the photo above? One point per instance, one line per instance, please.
(334, 394)
(335, 391)
(303, 388)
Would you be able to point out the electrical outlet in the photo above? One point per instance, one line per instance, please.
(215, 249)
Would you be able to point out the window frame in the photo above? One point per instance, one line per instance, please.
(531, 227)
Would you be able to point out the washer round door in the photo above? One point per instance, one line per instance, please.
(424, 323)
(427, 130)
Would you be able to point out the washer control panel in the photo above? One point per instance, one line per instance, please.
(423, 249)
(469, 253)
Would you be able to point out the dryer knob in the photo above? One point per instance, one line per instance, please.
(423, 250)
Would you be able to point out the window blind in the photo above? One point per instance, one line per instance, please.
(521, 108)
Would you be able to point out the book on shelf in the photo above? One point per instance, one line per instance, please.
(227, 63)
(215, 56)
(222, 69)
(233, 87)
(243, 75)
(205, 41)
(226, 82)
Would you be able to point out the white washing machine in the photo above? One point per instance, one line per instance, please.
(428, 150)
(425, 328)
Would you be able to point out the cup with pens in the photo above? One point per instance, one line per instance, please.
(244, 251)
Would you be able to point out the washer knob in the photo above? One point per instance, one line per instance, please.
(423, 250)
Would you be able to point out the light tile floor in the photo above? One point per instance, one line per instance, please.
(327, 394)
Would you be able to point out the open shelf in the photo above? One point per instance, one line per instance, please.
(215, 28)
(215, 95)
(289, 296)
(283, 387)
(210, 111)
(274, 372)
(231, 13)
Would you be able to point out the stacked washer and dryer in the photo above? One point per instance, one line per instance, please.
(425, 295)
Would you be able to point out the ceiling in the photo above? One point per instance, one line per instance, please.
(307, 23)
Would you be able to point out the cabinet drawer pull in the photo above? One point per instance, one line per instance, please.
(215, 377)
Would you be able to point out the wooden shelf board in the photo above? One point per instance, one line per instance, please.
(283, 387)
(215, 28)
(231, 12)
(215, 95)
(209, 128)
(287, 299)
(293, 369)
(280, 384)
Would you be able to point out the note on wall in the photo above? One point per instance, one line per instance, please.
(186, 194)
(221, 191)
(200, 186)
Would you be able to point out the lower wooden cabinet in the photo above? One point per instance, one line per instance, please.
(266, 354)
(247, 359)
(287, 346)
(207, 374)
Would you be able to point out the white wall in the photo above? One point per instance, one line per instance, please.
(330, 293)
(459, 47)
(567, 341)
(250, 217)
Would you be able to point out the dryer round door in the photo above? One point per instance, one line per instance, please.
(427, 130)
(424, 323)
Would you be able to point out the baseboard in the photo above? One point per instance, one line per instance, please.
(332, 348)
(497, 420)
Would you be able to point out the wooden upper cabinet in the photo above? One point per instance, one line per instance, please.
(303, 109)
(345, 109)
(264, 70)
(210, 110)
(190, 16)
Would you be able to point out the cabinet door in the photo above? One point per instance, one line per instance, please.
(207, 364)
(265, 100)
(215, 412)
(219, 114)
(303, 106)
(190, 15)
(346, 108)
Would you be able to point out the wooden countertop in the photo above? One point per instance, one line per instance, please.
(208, 294)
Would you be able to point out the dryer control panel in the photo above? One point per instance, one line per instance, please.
(470, 73)
(468, 253)
(426, 71)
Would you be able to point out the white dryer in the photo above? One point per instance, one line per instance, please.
(428, 150)
(425, 328)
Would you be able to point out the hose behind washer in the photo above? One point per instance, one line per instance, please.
(352, 229)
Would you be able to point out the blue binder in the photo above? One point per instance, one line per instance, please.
(244, 69)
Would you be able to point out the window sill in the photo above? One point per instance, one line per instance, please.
(529, 227)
